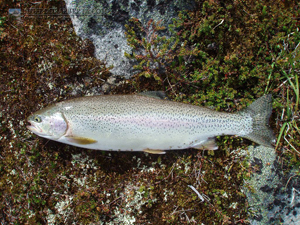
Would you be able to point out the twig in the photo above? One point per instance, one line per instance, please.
(199, 195)
(219, 24)
(289, 180)
(17, 29)
(171, 172)
(293, 194)
(291, 145)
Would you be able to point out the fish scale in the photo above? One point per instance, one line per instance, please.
(146, 123)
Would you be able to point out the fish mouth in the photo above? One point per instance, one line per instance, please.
(34, 129)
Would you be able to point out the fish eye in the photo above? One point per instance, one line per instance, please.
(37, 119)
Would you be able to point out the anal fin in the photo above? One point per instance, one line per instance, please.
(210, 144)
(154, 151)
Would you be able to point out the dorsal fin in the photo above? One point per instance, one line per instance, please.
(155, 94)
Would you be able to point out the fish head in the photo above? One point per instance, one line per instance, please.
(48, 123)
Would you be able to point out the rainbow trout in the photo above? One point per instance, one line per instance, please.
(142, 123)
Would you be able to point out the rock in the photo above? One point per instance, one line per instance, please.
(274, 196)
(265, 179)
(111, 80)
(106, 88)
(103, 23)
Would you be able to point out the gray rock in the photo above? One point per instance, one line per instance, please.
(274, 197)
(262, 183)
(105, 88)
(111, 80)
(103, 23)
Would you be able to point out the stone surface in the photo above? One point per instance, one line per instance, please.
(103, 23)
(274, 197)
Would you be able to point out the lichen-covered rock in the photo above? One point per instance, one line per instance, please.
(103, 23)
(273, 196)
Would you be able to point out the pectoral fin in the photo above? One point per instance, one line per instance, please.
(210, 144)
(81, 140)
(154, 151)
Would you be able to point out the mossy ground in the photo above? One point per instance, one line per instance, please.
(44, 182)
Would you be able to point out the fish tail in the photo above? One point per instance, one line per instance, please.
(260, 112)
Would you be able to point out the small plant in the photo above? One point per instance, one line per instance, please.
(163, 58)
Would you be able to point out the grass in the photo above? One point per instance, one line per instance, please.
(288, 60)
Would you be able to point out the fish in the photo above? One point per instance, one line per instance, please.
(148, 122)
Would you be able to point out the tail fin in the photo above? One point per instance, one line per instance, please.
(260, 112)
